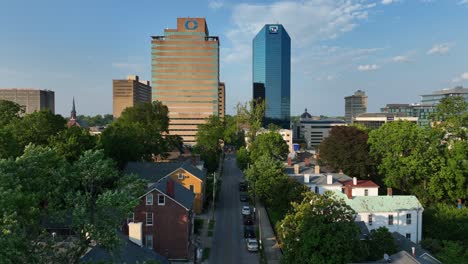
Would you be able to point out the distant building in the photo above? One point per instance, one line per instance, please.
(376, 120)
(33, 100)
(73, 121)
(422, 111)
(313, 129)
(436, 96)
(272, 73)
(354, 105)
(185, 76)
(129, 92)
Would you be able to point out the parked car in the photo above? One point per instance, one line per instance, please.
(248, 220)
(244, 198)
(243, 186)
(252, 244)
(246, 210)
(249, 232)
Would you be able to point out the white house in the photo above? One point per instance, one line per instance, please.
(398, 213)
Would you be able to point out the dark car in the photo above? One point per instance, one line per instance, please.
(243, 186)
(249, 232)
(244, 198)
(248, 220)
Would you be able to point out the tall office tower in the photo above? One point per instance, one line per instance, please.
(32, 99)
(185, 76)
(272, 73)
(354, 105)
(129, 92)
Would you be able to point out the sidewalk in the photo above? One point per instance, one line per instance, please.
(270, 245)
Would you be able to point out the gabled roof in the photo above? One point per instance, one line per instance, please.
(152, 171)
(422, 255)
(384, 203)
(129, 252)
(189, 167)
(182, 195)
(321, 179)
(361, 184)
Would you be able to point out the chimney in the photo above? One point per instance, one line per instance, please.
(170, 188)
(306, 178)
(354, 181)
(340, 172)
(329, 179)
(389, 192)
(289, 162)
(349, 192)
(317, 169)
(307, 162)
(296, 168)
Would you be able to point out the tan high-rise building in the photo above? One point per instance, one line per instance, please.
(354, 105)
(185, 76)
(32, 99)
(129, 92)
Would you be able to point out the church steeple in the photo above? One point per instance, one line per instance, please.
(73, 111)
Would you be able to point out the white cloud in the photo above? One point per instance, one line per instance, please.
(441, 48)
(462, 77)
(387, 2)
(368, 67)
(215, 4)
(400, 58)
(463, 2)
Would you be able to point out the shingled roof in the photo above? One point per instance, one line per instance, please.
(153, 172)
(181, 194)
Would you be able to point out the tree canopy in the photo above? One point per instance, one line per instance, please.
(320, 229)
(270, 144)
(9, 112)
(346, 149)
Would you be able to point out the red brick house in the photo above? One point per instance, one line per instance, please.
(163, 221)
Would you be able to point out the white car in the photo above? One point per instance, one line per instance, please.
(252, 244)
(245, 210)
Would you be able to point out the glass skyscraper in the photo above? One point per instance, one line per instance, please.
(272, 73)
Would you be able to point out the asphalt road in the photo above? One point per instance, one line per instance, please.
(228, 241)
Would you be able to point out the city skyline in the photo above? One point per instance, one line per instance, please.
(76, 49)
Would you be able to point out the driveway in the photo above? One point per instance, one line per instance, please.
(228, 242)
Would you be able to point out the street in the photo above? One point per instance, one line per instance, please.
(228, 241)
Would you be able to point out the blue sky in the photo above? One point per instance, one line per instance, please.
(395, 50)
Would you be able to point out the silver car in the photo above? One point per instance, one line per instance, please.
(252, 244)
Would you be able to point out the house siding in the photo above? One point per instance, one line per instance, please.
(198, 187)
(171, 229)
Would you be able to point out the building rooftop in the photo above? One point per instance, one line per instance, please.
(181, 194)
(455, 90)
(384, 203)
(361, 184)
(382, 115)
(154, 171)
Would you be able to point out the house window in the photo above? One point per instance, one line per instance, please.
(149, 241)
(408, 236)
(149, 199)
(369, 219)
(366, 192)
(191, 188)
(149, 219)
(316, 189)
(161, 199)
(131, 218)
(181, 176)
(390, 219)
(408, 219)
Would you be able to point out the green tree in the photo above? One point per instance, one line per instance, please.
(9, 147)
(9, 112)
(320, 229)
(123, 143)
(270, 144)
(232, 134)
(381, 242)
(97, 120)
(37, 128)
(452, 252)
(72, 142)
(242, 158)
(408, 156)
(452, 116)
(346, 149)
(264, 173)
(251, 115)
(209, 137)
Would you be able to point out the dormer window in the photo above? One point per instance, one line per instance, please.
(149, 199)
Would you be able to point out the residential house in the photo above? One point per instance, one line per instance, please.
(398, 213)
(127, 252)
(163, 220)
(186, 173)
(316, 181)
(361, 187)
